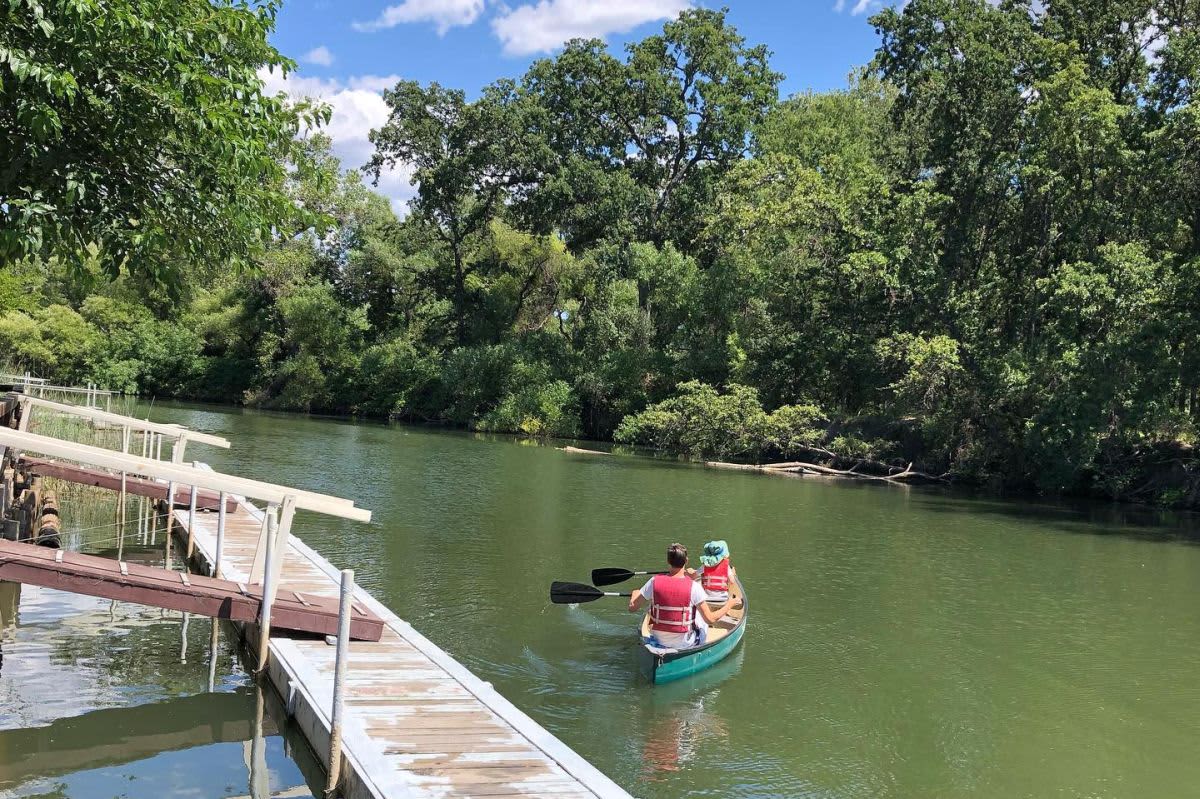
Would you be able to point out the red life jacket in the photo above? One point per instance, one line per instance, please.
(671, 609)
(716, 578)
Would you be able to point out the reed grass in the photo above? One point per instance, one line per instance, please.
(90, 515)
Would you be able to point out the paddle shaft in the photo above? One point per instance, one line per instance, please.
(612, 576)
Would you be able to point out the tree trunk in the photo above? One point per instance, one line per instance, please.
(460, 294)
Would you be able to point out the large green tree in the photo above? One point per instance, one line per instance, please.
(640, 143)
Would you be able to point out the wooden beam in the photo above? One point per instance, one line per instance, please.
(137, 486)
(181, 473)
(172, 431)
(164, 588)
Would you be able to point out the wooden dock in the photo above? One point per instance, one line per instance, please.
(418, 724)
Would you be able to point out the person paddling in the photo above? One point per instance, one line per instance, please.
(718, 571)
(679, 608)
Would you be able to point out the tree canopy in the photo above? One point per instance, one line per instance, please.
(980, 257)
(139, 130)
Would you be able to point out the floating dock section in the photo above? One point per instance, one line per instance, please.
(418, 724)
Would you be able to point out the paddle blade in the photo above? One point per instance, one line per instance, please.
(610, 576)
(572, 593)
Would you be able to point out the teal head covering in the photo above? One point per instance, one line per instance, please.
(714, 553)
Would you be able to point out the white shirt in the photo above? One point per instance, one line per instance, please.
(679, 640)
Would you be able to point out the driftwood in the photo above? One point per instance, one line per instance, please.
(579, 451)
(741, 467)
(895, 475)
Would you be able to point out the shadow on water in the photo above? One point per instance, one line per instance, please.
(1078, 517)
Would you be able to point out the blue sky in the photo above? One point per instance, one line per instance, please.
(350, 50)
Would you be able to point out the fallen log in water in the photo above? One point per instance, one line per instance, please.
(901, 476)
(753, 467)
(581, 451)
(907, 473)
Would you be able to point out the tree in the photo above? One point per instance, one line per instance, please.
(466, 158)
(640, 143)
(141, 128)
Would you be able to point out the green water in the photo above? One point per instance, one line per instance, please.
(902, 643)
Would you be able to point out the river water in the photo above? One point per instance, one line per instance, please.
(902, 643)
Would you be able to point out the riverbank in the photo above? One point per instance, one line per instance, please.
(1142, 510)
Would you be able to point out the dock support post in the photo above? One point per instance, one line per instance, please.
(143, 526)
(6, 495)
(170, 507)
(279, 527)
(121, 508)
(339, 682)
(191, 522)
(264, 616)
(220, 534)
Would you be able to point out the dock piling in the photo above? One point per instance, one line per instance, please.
(339, 682)
(264, 617)
(121, 507)
(191, 521)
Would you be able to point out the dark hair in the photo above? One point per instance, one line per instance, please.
(677, 556)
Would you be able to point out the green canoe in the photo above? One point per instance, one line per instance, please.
(665, 665)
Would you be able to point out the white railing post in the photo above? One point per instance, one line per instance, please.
(264, 616)
(341, 663)
(178, 448)
(287, 512)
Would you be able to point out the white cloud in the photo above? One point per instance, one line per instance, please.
(357, 106)
(544, 26)
(318, 55)
(444, 14)
(372, 83)
(860, 6)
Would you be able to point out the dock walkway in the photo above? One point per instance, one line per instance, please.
(418, 724)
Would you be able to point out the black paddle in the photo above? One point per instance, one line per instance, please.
(572, 593)
(614, 576)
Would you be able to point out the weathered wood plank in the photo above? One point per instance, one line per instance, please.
(135, 486)
(163, 588)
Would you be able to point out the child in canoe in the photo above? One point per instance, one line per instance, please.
(717, 571)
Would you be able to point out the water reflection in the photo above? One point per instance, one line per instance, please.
(96, 701)
(684, 728)
(100, 698)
